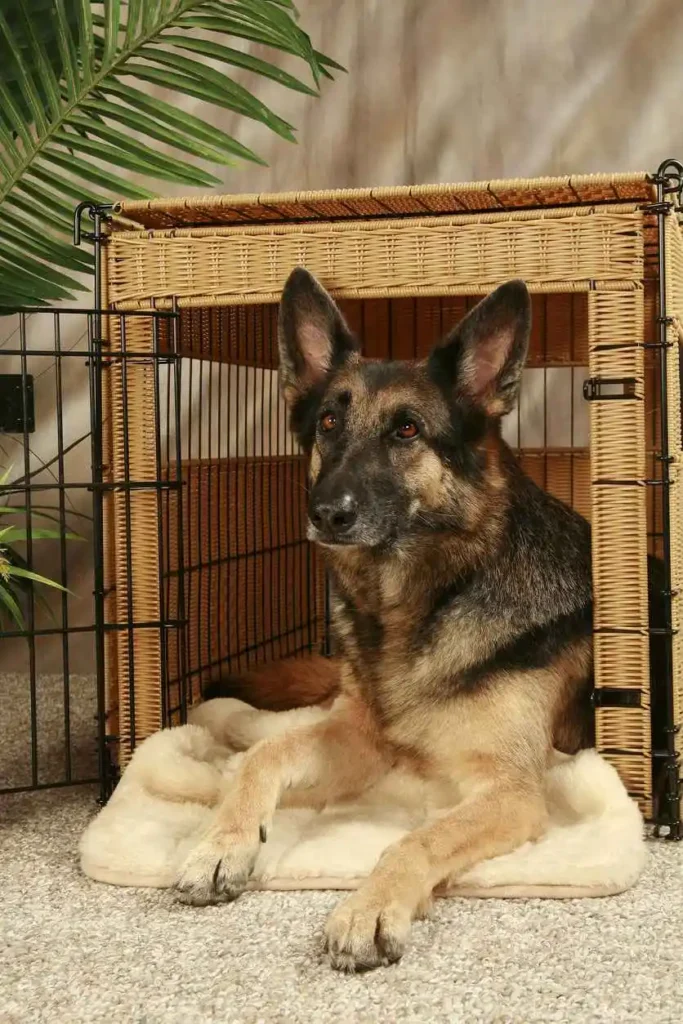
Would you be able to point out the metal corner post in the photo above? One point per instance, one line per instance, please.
(98, 214)
(669, 182)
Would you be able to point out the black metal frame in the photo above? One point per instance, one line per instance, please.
(97, 356)
(667, 781)
(283, 553)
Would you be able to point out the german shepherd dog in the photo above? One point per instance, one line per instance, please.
(461, 605)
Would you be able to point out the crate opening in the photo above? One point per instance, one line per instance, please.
(253, 586)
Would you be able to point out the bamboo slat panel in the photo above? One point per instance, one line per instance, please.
(619, 519)
(388, 201)
(553, 250)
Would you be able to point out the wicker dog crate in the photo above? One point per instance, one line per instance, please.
(206, 561)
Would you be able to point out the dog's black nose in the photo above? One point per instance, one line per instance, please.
(335, 515)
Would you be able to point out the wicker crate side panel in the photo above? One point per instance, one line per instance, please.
(563, 473)
(618, 462)
(674, 254)
(676, 520)
(619, 523)
(135, 521)
(364, 258)
(111, 671)
(252, 582)
(238, 335)
(635, 772)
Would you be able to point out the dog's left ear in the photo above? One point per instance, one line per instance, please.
(312, 334)
(483, 357)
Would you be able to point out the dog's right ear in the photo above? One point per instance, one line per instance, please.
(482, 358)
(312, 335)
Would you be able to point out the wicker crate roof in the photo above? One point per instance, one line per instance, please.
(471, 197)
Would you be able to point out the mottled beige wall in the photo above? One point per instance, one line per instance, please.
(455, 90)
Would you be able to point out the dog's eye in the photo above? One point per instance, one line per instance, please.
(407, 430)
(328, 421)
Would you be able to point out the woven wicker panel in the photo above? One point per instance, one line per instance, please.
(388, 201)
(133, 527)
(565, 474)
(674, 254)
(109, 532)
(398, 328)
(652, 422)
(552, 250)
(619, 517)
(241, 335)
(251, 579)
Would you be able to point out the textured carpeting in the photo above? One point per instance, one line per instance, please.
(74, 951)
(65, 733)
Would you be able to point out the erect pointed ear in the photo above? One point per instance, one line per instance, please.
(483, 357)
(312, 334)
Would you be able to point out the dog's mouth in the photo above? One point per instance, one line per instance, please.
(360, 536)
(331, 538)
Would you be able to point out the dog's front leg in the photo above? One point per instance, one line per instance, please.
(370, 928)
(333, 755)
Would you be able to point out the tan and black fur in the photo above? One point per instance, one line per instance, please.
(461, 607)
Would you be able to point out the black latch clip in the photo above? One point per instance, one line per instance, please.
(592, 388)
(616, 697)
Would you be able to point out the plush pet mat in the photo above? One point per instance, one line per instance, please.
(593, 847)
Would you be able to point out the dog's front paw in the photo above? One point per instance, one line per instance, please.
(218, 869)
(366, 931)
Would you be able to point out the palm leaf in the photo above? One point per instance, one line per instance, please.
(26, 574)
(15, 573)
(228, 55)
(7, 598)
(74, 108)
(37, 513)
(12, 534)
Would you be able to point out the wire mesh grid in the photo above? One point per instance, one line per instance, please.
(252, 582)
(50, 699)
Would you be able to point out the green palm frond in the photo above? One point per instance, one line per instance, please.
(75, 103)
(15, 574)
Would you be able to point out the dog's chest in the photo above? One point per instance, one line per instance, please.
(393, 629)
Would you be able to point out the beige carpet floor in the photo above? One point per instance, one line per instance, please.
(73, 951)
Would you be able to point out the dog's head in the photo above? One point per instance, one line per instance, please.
(398, 448)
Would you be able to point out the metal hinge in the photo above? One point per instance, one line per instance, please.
(17, 414)
(98, 212)
(664, 207)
